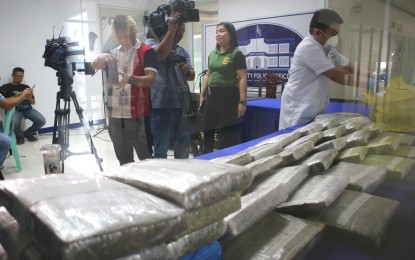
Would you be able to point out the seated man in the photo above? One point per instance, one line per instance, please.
(24, 109)
(7, 104)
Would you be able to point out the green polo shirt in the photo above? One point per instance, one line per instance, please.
(223, 67)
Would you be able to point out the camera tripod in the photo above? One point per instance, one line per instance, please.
(105, 126)
(189, 111)
(61, 124)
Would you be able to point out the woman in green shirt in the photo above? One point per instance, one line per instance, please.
(224, 89)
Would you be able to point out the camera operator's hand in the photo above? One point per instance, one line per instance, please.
(187, 72)
(183, 67)
(173, 21)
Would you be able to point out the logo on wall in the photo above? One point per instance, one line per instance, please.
(267, 48)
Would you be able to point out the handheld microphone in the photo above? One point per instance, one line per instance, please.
(203, 73)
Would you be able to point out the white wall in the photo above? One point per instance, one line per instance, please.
(26, 26)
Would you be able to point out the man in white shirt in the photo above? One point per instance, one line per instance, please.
(315, 63)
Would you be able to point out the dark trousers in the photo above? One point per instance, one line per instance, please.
(127, 135)
(169, 128)
(221, 115)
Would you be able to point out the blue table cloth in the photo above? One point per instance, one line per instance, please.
(263, 115)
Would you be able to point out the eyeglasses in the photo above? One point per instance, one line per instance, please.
(330, 32)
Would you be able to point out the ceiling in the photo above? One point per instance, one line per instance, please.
(211, 6)
(406, 6)
(207, 7)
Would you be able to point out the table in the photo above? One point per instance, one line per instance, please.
(262, 115)
(398, 242)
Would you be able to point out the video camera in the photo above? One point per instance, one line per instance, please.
(56, 52)
(157, 20)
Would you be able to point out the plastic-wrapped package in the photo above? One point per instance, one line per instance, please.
(195, 240)
(263, 196)
(188, 183)
(363, 178)
(375, 129)
(263, 165)
(334, 133)
(291, 183)
(33, 190)
(342, 117)
(207, 215)
(328, 117)
(406, 139)
(16, 242)
(359, 219)
(291, 155)
(283, 139)
(276, 236)
(241, 158)
(327, 120)
(356, 123)
(319, 162)
(311, 128)
(396, 167)
(315, 194)
(336, 144)
(258, 152)
(159, 252)
(404, 151)
(314, 138)
(109, 222)
(353, 155)
(358, 138)
(383, 144)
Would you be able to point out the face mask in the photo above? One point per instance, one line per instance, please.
(331, 42)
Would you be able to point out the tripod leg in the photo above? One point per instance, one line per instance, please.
(60, 129)
(105, 127)
(85, 127)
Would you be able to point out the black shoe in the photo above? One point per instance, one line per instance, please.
(31, 138)
(19, 140)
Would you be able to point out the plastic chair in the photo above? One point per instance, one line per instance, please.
(271, 83)
(8, 129)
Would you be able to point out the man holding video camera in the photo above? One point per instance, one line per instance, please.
(174, 68)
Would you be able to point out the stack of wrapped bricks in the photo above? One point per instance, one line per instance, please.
(275, 200)
(314, 179)
(156, 209)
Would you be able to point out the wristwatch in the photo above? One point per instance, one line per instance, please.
(131, 80)
(243, 102)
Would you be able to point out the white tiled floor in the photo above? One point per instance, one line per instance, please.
(32, 159)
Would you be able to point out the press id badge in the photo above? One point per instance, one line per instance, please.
(123, 97)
